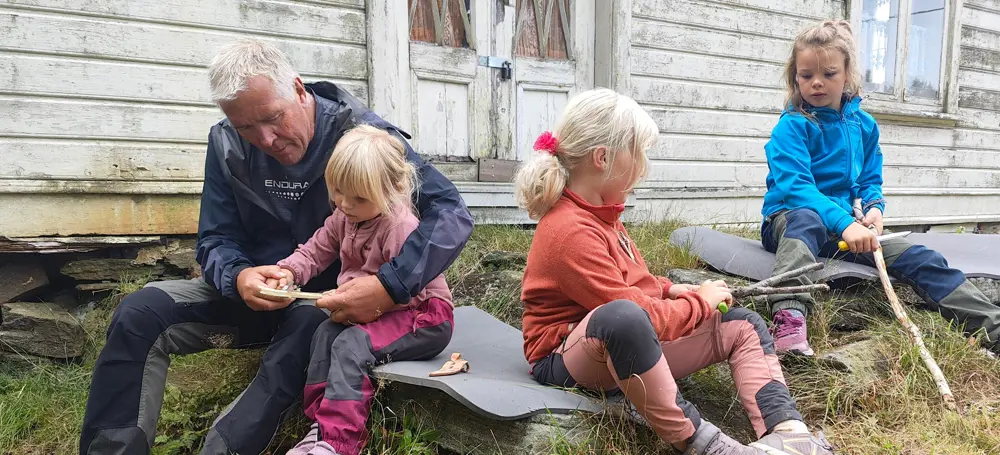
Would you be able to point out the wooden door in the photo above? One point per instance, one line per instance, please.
(553, 48)
(448, 94)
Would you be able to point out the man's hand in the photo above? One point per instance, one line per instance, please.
(873, 218)
(249, 281)
(358, 301)
(678, 289)
(859, 238)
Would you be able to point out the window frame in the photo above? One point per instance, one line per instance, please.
(899, 102)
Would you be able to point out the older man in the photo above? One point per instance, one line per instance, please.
(263, 195)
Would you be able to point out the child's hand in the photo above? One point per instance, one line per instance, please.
(873, 218)
(715, 292)
(678, 289)
(859, 238)
(281, 283)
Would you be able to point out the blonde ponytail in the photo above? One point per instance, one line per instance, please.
(591, 119)
(539, 183)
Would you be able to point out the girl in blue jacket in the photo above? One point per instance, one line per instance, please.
(825, 184)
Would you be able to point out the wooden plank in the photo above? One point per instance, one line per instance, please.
(812, 9)
(690, 174)
(695, 67)
(677, 120)
(986, 5)
(93, 119)
(111, 214)
(547, 72)
(724, 207)
(81, 77)
(458, 63)
(981, 59)
(980, 39)
(980, 18)
(266, 17)
(709, 42)
(24, 158)
(979, 119)
(459, 172)
(720, 17)
(690, 94)
(979, 99)
(976, 139)
(708, 148)
(685, 147)
(538, 110)
(622, 24)
(442, 120)
(72, 244)
(389, 63)
(98, 187)
(979, 79)
(493, 170)
(97, 38)
(687, 174)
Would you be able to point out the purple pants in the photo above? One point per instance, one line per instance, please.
(338, 389)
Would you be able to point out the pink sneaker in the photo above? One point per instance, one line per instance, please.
(789, 334)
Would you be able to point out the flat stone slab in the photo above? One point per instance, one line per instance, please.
(973, 254)
(498, 384)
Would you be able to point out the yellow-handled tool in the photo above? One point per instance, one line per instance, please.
(842, 245)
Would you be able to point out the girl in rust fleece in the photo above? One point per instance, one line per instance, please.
(598, 319)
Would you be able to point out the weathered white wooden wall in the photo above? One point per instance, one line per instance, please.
(709, 72)
(105, 105)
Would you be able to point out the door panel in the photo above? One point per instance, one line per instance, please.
(545, 64)
(445, 77)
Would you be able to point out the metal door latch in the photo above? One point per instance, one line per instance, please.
(504, 65)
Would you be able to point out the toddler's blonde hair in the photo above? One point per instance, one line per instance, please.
(371, 163)
(823, 38)
(590, 120)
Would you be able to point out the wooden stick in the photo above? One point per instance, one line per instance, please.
(789, 274)
(747, 291)
(914, 332)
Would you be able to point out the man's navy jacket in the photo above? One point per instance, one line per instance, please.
(238, 227)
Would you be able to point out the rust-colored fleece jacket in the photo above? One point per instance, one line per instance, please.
(580, 259)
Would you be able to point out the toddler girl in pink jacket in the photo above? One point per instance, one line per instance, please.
(371, 184)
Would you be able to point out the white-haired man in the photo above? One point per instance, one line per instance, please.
(263, 195)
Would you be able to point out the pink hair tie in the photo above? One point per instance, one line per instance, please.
(547, 143)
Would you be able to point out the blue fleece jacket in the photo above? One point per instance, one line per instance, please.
(825, 164)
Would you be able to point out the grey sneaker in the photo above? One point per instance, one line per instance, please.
(709, 440)
(794, 444)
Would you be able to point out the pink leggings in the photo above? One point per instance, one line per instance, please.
(615, 347)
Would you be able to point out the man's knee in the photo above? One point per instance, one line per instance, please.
(628, 336)
(755, 323)
(141, 312)
(306, 318)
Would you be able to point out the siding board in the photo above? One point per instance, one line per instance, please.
(161, 44)
(659, 35)
(303, 21)
(720, 16)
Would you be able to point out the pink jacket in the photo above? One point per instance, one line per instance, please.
(362, 249)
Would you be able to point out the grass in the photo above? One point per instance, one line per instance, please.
(896, 411)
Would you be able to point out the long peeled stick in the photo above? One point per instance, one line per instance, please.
(914, 332)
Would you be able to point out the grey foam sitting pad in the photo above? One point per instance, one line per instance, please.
(973, 254)
(498, 385)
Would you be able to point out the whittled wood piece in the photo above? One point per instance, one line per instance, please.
(290, 293)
